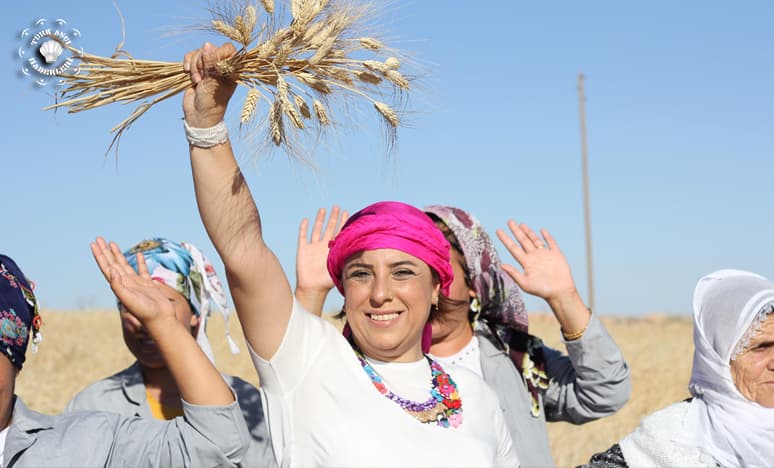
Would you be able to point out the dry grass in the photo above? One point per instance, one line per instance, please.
(80, 347)
(320, 55)
(659, 350)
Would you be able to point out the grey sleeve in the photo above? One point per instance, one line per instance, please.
(72, 405)
(206, 436)
(592, 381)
(104, 395)
(260, 453)
(83, 400)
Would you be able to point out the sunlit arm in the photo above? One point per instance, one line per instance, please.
(258, 285)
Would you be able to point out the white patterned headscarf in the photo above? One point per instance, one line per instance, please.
(185, 269)
(729, 307)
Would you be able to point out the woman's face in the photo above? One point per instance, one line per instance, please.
(139, 341)
(753, 370)
(453, 314)
(388, 295)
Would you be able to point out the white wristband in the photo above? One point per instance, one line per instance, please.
(206, 137)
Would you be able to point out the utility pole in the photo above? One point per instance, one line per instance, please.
(586, 208)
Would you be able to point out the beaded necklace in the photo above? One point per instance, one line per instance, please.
(444, 407)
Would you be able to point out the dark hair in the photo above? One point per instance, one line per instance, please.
(455, 244)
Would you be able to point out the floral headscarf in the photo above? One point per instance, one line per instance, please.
(498, 295)
(503, 314)
(184, 268)
(19, 317)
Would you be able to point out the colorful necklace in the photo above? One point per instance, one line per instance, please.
(444, 407)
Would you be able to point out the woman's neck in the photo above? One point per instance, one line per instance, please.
(411, 355)
(453, 342)
(161, 386)
(6, 414)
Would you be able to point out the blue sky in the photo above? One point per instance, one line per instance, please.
(680, 116)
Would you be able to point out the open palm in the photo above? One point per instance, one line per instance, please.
(546, 273)
(137, 291)
(312, 253)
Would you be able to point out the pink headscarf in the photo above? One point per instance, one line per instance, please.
(391, 225)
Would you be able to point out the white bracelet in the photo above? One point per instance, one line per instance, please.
(206, 137)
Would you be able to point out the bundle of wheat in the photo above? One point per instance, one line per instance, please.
(320, 56)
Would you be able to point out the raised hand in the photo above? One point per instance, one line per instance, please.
(204, 104)
(195, 376)
(546, 274)
(312, 279)
(259, 288)
(137, 291)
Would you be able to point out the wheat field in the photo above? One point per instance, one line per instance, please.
(83, 346)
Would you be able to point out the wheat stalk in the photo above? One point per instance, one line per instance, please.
(268, 5)
(276, 125)
(321, 54)
(248, 108)
(397, 79)
(302, 107)
(227, 30)
(368, 77)
(321, 113)
(371, 44)
(392, 63)
(250, 19)
(389, 114)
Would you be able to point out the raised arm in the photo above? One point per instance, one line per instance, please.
(547, 275)
(312, 279)
(593, 379)
(196, 378)
(258, 285)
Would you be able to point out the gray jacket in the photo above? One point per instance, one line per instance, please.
(592, 381)
(124, 393)
(207, 436)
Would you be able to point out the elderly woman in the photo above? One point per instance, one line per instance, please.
(147, 387)
(212, 433)
(729, 421)
(481, 325)
(372, 398)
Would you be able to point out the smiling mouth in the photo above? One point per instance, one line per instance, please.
(384, 317)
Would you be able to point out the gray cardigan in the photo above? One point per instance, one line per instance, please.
(124, 393)
(592, 381)
(207, 436)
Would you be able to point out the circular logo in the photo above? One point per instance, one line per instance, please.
(46, 50)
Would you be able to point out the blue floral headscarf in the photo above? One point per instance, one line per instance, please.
(184, 268)
(19, 317)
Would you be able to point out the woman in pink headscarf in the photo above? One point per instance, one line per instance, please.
(481, 325)
(369, 398)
